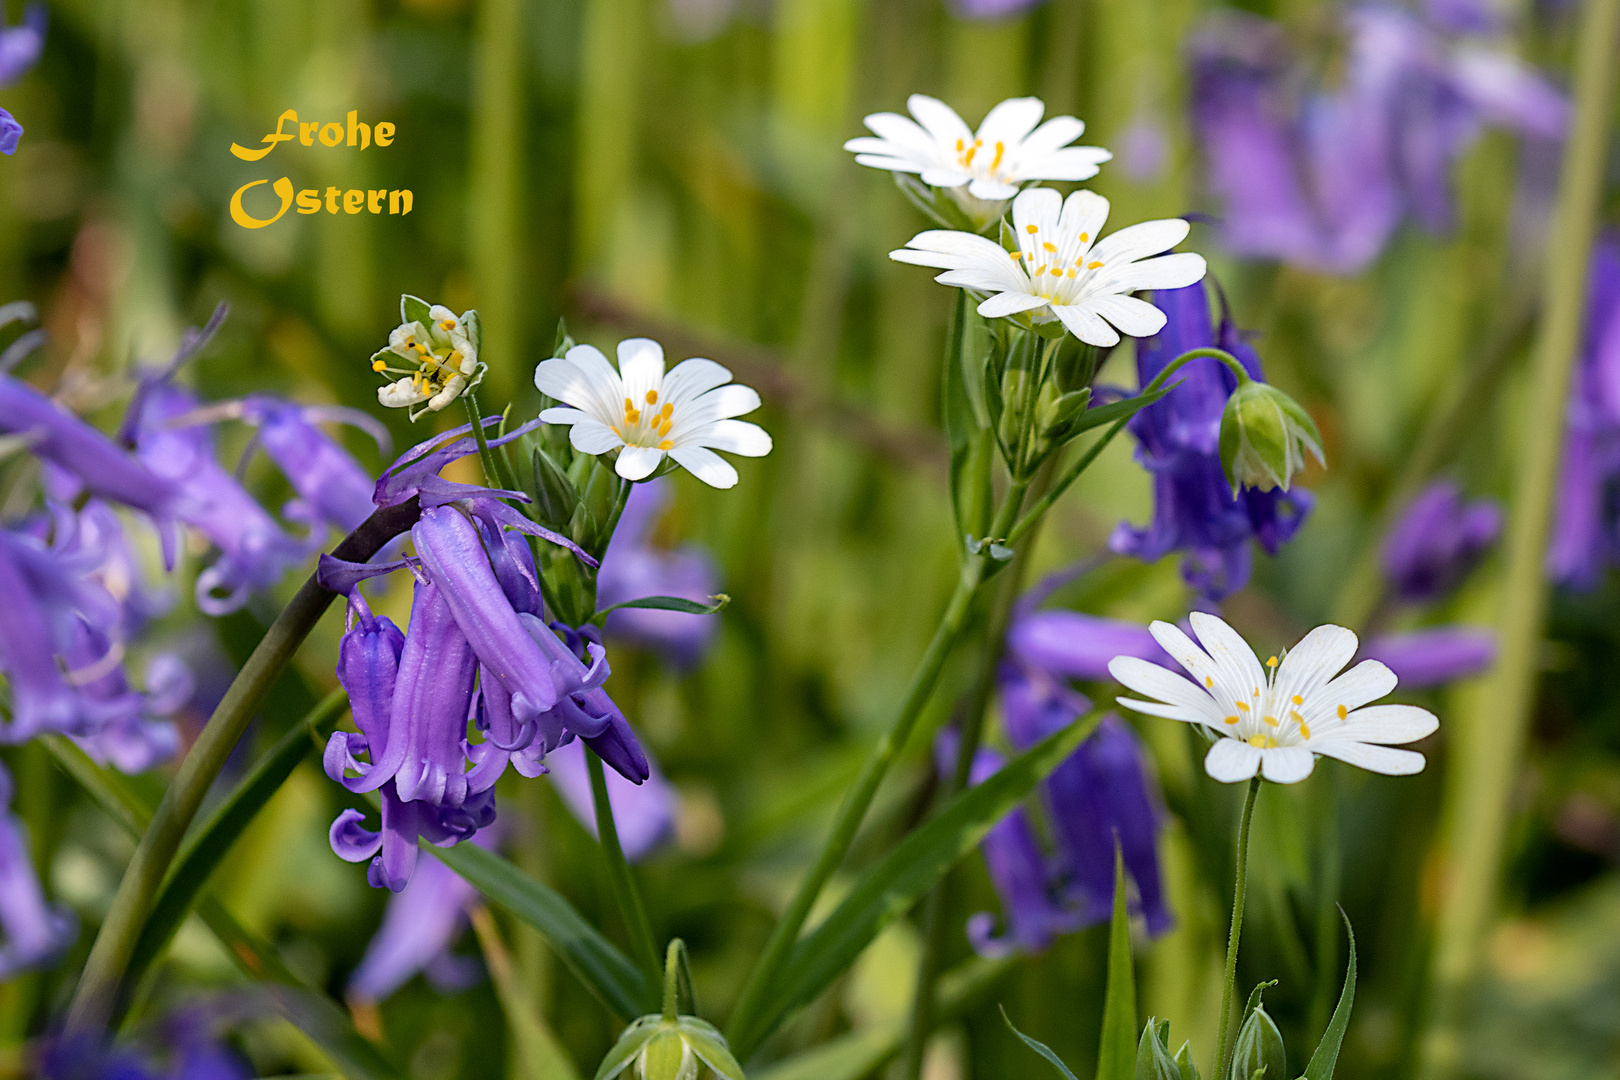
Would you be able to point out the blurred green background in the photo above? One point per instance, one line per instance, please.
(674, 168)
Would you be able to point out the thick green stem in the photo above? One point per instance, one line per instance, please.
(1041, 505)
(94, 1000)
(1488, 741)
(496, 474)
(858, 799)
(623, 882)
(1223, 1048)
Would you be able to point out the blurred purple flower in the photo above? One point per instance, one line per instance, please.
(331, 485)
(1144, 148)
(1425, 658)
(1194, 511)
(1018, 869)
(21, 45)
(1437, 541)
(993, 9)
(35, 932)
(1586, 517)
(632, 568)
(1102, 791)
(130, 729)
(11, 133)
(1070, 645)
(1323, 178)
(419, 926)
(643, 815)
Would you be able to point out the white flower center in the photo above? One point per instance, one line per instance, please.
(646, 423)
(985, 165)
(1058, 267)
(1270, 717)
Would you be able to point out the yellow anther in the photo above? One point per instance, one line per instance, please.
(1030, 229)
(1041, 269)
(1093, 265)
(995, 163)
(652, 397)
(1271, 721)
(447, 324)
(410, 342)
(1231, 719)
(1242, 706)
(1048, 245)
(1297, 700)
(1272, 662)
(967, 158)
(1208, 681)
(958, 146)
(1262, 742)
(1084, 237)
(1304, 729)
(669, 407)
(1071, 272)
(666, 445)
(1342, 712)
(1015, 255)
(379, 365)
(1057, 271)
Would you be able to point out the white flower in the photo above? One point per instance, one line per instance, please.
(685, 414)
(1277, 723)
(442, 351)
(1061, 269)
(1007, 151)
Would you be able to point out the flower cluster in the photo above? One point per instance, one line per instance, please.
(1195, 510)
(20, 47)
(440, 351)
(1323, 179)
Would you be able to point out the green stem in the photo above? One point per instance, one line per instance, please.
(623, 882)
(94, 1000)
(1223, 1049)
(673, 957)
(924, 1001)
(1041, 505)
(1487, 743)
(496, 474)
(858, 799)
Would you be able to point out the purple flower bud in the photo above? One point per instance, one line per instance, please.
(633, 568)
(1071, 645)
(11, 133)
(643, 815)
(1437, 540)
(1433, 657)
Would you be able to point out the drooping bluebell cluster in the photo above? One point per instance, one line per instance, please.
(20, 47)
(478, 651)
(1194, 511)
(1322, 177)
(1586, 515)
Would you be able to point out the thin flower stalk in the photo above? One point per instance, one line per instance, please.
(1223, 1049)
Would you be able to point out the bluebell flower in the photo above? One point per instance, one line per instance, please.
(419, 926)
(632, 568)
(1072, 645)
(11, 133)
(1101, 792)
(1435, 656)
(1194, 511)
(1437, 540)
(1323, 177)
(20, 47)
(1586, 516)
(643, 814)
(35, 931)
(332, 486)
(131, 730)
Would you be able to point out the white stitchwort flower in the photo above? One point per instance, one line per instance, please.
(992, 163)
(441, 350)
(646, 414)
(1061, 269)
(1275, 719)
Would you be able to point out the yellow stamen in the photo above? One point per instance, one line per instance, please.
(669, 407)
(1242, 707)
(1208, 681)
(1231, 719)
(1071, 271)
(958, 146)
(447, 324)
(1030, 229)
(995, 163)
(652, 397)
(1298, 700)
(1342, 712)
(379, 365)
(1262, 742)
(1304, 729)
(1272, 662)
(666, 445)
(1271, 721)
(1048, 245)
(1092, 265)
(1015, 255)
(1084, 237)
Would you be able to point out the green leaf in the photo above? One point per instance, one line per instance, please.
(551, 493)
(1040, 1048)
(415, 309)
(211, 843)
(970, 442)
(1116, 1051)
(1326, 1058)
(669, 603)
(914, 866)
(604, 970)
(539, 1055)
(1116, 410)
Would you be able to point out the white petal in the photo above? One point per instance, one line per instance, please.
(583, 379)
(984, 280)
(735, 437)
(904, 136)
(1039, 207)
(1185, 652)
(636, 462)
(1168, 712)
(706, 465)
(1229, 651)
(1367, 681)
(1320, 655)
(1230, 760)
(1137, 318)
(1175, 271)
(400, 393)
(593, 437)
(1138, 241)
(1073, 163)
(1009, 303)
(939, 119)
(689, 378)
(946, 176)
(641, 368)
(889, 164)
(563, 415)
(721, 403)
(1086, 324)
(1378, 759)
(1046, 139)
(1010, 122)
(1084, 212)
(1163, 684)
(991, 190)
(1388, 724)
(956, 249)
(1286, 764)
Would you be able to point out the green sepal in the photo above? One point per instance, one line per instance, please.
(629, 1044)
(474, 328)
(1184, 1062)
(562, 342)
(1326, 1058)
(710, 1046)
(1153, 1060)
(415, 309)
(941, 211)
(1051, 329)
(1258, 1050)
(1265, 436)
(552, 494)
(1039, 1047)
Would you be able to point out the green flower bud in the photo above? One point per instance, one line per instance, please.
(1265, 436)
(661, 1049)
(1259, 1049)
(1153, 1060)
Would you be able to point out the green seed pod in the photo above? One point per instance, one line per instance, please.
(1265, 435)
